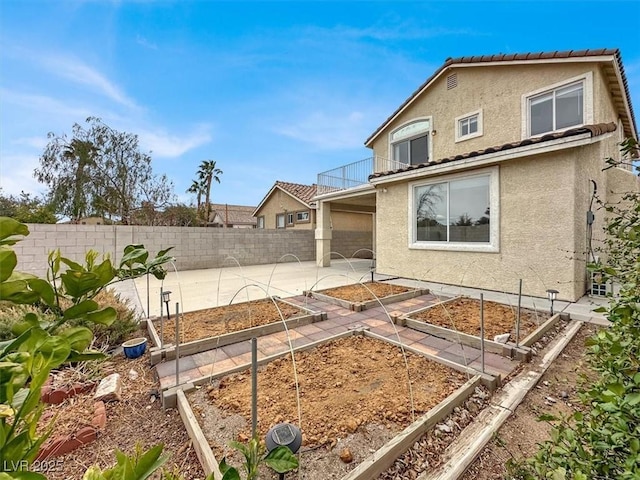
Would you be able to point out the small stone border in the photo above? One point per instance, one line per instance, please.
(361, 306)
(56, 396)
(168, 352)
(62, 445)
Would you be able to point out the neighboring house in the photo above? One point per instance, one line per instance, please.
(485, 175)
(291, 205)
(231, 216)
(90, 221)
(287, 205)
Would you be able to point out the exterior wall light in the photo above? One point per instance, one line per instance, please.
(552, 295)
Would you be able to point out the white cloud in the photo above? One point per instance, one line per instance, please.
(42, 104)
(16, 174)
(327, 130)
(163, 144)
(78, 72)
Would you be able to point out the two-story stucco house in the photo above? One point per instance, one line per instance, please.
(486, 174)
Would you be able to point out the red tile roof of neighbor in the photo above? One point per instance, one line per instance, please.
(594, 130)
(629, 124)
(304, 193)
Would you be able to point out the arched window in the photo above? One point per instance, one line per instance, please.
(410, 143)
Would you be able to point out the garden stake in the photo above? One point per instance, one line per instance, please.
(162, 319)
(148, 299)
(254, 386)
(518, 317)
(177, 343)
(482, 331)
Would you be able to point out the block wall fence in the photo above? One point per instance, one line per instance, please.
(194, 247)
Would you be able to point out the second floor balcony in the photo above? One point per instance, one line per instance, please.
(354, 174)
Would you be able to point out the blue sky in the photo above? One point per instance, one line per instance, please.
(270, 90)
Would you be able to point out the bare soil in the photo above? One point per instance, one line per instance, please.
(556, 394)
(69, 416)
(138, 418)
(463, 315)
(363, 292)
(216, 321)
(354, 394)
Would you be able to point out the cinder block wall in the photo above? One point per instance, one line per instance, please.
(194, 247)
(351, 243)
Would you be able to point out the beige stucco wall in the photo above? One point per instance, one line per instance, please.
(352, 221)
(542, 226)
(280, 202)
(497, 90)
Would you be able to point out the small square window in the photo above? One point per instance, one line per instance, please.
(302, 217)
(289, 218)
(469, 126)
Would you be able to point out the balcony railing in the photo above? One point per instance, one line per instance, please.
(353, 174)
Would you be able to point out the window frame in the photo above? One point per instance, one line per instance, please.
(412, 136)
(478, 133)
(297, 217)
(493, 246)
(290, 215)
(281, 215)
(260, 222)
(587, 103)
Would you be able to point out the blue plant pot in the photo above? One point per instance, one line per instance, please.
(135, 347)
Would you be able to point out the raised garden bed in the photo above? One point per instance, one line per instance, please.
(459, 319)
(361, 296)
(354, 395)
(206, 329)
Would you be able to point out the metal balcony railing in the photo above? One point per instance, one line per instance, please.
(353, 174)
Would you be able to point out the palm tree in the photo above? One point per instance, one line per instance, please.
(207, 173)
(196, 187)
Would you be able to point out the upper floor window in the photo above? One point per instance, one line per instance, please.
(289, 218)
(260, 223)
(280, 220)
(410, 143)
(558, 107)
(469, 126)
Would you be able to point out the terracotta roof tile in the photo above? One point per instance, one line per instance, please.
(502, 57)
(304, 193)
(594, 130)
(234, 214)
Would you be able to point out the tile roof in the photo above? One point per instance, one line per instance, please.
(234, 214)
(520, 57)
(594, 130)
(304, 193)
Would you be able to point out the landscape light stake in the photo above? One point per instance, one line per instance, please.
(518, 316)
(552, 295)
(482, 331)
(166, 297)
(148, 299)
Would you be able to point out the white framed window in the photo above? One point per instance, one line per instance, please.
(558, 107)
(260, 222)
(410, 144)
(456, 212)
(468, 126)
(289, 218)
(280, 220)
(302, 217)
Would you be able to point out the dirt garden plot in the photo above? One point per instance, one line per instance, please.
(463, 314)
(354, 395)
(216, 321)
(360, 296)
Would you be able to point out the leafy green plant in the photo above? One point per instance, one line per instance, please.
(603, 440)
(280, 459)
(41, 344)
(140, 466)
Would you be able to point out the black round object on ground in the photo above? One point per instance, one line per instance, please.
(284, 434)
